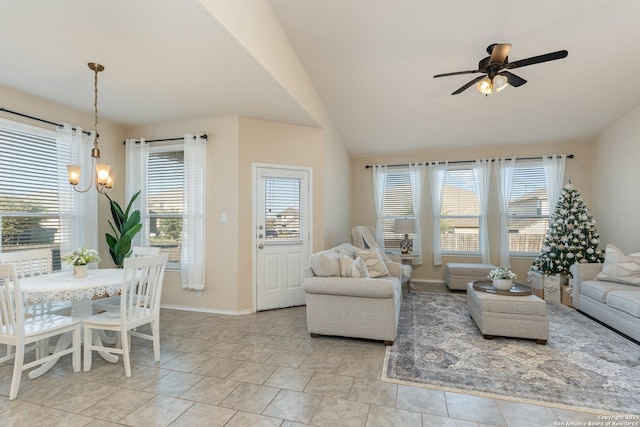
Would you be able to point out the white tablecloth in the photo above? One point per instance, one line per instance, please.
(61, 286)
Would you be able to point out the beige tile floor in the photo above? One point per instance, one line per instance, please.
(253, 370)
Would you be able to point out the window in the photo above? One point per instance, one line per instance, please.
(29, 189)
(398, 204)
(282, 209)
(528, 216)
(166, 167)
(460, 214)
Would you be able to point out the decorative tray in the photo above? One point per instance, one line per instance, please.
(516, 290)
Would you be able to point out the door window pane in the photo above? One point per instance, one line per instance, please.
(282, 209)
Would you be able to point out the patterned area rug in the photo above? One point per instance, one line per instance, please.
(583, 365)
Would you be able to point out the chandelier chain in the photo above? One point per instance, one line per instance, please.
(95, 106)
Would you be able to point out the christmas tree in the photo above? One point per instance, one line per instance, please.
(572, 236)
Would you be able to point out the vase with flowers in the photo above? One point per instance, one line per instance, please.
(79, 260)
(502, 278)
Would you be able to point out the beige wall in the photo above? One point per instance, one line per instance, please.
(616, 174)
(110, 143)
(363, 210)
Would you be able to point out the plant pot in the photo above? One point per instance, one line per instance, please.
(79, 271)
(502, 284)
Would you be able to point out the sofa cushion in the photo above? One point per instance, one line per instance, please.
(350, 267)
(375, 263)
(326, 263)
(620, 268)
(625, 300)
(598, 290)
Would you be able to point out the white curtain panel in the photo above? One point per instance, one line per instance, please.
(504, 175)
(192, 257)
(78, 211)
(437, 177)
(482, 177)
(417, 172)
(379, 186)
(553, 177)
(137, 179)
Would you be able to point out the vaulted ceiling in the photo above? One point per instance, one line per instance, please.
(371, 63)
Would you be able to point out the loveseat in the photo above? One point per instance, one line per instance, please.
(603, 291)
(353, 293)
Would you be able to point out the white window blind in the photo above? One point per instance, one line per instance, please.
(398, 204)
(166, 168)
(282, 209)
(528, 216)
(460, 222)
(29, 192)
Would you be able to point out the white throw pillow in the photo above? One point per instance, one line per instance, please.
(350, 267)
(374, 261)
(326, 264)
(346, 249)
(620, 268)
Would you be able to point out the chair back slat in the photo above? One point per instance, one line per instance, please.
(142, 287)
(11, 306)
(33, 262)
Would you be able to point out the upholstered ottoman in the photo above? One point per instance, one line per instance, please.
(458, 274)
(508, 316)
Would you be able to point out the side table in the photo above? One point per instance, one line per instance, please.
(407, 259)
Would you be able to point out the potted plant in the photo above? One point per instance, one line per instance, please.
(502, 278)
(125, 226)
(79, 259)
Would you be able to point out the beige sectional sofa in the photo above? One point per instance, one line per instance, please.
(605, 298)
(359, 307)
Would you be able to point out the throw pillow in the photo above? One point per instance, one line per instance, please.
(620, 268)
(374, 261)
(326, 264)
(346, 249)
(350, 267)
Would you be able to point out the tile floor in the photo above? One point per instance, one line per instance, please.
(253, 370)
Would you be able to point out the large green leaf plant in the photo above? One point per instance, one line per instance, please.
(125, 226)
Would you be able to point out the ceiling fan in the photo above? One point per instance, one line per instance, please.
(496, 66)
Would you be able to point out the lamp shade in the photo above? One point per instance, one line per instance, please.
(500, 82)
(405, 226)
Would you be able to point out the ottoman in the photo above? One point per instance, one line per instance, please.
(508, 316)
(458, 274)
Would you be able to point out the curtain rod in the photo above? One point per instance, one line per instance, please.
(166, 139)
(569, 156)
(38, 119)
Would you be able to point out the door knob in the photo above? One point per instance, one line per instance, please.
(260, 236)
(260, 246)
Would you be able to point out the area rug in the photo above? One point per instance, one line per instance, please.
(584, 365)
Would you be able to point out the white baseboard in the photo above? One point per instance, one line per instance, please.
(206, 310)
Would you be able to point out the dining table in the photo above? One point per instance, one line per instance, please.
(62, 286)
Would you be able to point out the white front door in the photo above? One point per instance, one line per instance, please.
(282, 225)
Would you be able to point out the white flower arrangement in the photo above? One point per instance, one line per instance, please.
(502, 273)
(81, 256)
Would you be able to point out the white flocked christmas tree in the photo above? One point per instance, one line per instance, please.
(571, 238)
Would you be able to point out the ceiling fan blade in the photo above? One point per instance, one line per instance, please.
(538, 59)
(513, 80)
(499, 53)
(468, 85)
(456, 73)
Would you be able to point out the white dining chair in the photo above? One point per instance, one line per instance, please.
(142, 279)
(17, 332)
(112, 303)
(35, 262)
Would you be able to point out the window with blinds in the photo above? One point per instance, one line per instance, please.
(282, 209)
(166, 167)
(29, 188)
(528, 217)
(397, 204)
(460, 214)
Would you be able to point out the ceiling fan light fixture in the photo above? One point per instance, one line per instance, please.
(485, 86)
(500, 82)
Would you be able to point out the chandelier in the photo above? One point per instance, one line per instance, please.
(103, 178)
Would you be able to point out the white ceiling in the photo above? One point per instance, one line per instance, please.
(371, 62)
